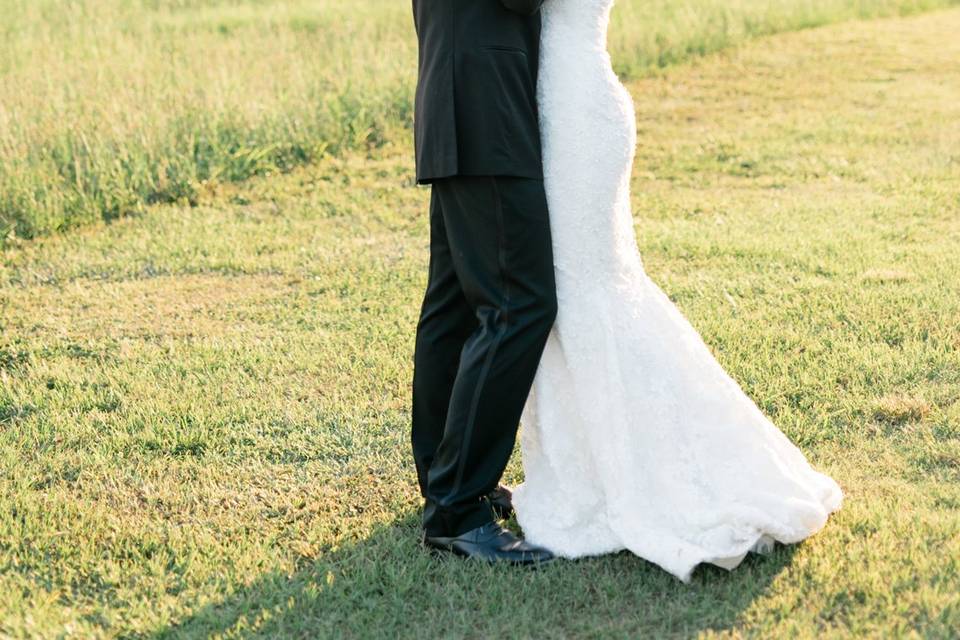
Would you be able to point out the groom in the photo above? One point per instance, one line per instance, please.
(491, 299)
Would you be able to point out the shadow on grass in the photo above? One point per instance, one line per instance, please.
(387, 586)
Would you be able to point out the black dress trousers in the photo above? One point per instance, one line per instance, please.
(489, 306)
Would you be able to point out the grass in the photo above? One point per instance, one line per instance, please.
(204, 409)
(108, 106)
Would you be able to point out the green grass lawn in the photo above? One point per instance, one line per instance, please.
(107, 106)
(204, 410)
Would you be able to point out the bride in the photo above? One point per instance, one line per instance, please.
(633, 435)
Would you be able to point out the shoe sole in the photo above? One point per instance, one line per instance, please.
(438, 550)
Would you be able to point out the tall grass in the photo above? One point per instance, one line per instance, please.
(108, 105)
(650, 34)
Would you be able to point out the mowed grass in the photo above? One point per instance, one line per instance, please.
(204, 409)
(108, 106)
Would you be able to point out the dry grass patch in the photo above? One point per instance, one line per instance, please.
(898, 409)
(886, 276)
(181, 306)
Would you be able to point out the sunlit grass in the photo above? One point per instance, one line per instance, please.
(107, 106)
(204, 410)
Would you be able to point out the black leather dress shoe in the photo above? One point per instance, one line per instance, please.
(492, 543)
(501, 499)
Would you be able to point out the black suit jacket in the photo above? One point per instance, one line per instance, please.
(476, 108)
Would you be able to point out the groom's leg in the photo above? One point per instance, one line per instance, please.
(499, 235)
(446, 321)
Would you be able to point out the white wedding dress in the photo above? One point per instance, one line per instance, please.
(633, 435)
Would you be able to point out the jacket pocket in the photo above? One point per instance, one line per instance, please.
(503, 47)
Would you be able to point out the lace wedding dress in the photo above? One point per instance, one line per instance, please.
(633, 436)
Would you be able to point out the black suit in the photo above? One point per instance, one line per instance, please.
(491, 299)
(476, 111)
